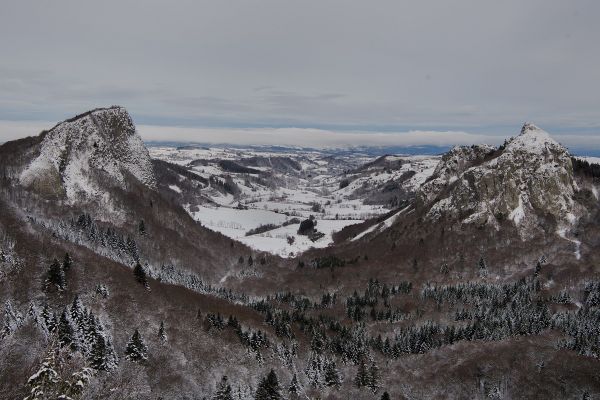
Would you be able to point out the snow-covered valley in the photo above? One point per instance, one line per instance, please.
(260, 197)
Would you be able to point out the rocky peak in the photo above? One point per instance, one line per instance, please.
(529, 180)
(79, 156)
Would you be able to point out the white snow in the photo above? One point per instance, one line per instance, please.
(88, 145)
(236, 223)
(281, 195)
(175, 188)
(518, 213)
(532, 140)
(563, 234)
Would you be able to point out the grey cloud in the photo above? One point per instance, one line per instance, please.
(461, 65)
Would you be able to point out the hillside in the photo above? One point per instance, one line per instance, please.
(132, 271)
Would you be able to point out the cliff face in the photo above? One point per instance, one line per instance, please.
(529, 181)
(79, 156)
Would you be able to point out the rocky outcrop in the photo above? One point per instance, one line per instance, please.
(80, 156)
(528, 180)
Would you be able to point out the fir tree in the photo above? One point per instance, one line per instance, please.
(162, 335)
(294, 388)
(223, 390)
(362, 378)
(136, 349)
(332, 375)
(482, 264)
(47, 382)
(142, 228)
(56, 275)
(140, 274)
(44, 382)
(67, 263)
(98, 356)
(374, 377)
(385, 396)
(77, 310)
(268, 388)
(538, 268)
(66, 334)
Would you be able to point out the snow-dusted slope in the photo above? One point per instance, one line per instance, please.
(80, 154)
(529, 178)
(336, 189)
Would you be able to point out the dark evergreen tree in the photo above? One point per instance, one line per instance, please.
(385, 396)
(294, 388)
(136, 349)
(481, 264)
(48, 319)
(362, 378)
(162, 335)
(223, 390)
(77, 310)
(538, 268)
(67, 263)
(66, 334)
(142, 227)
(140, 274)
(99, 355)
(374, 377)
(268, 388)
(332, 375)
(56, 275)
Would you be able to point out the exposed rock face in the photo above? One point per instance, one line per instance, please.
(528, 180)
(79, 156)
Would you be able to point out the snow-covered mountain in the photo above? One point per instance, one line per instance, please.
(81, 155)
(528, 180)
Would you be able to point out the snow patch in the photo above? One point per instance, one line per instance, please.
(175, 188)
(563, 234)
(518, 213)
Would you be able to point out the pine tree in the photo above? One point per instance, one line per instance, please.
(385, 396)
(77, 310)
(538, 268)
(332, 375)
(162, 335)
(374, 377)
(136, 349)
(98, 356)
(362, 378)
(56, 275)
(140, 274)
(482, 264)
(12, 319)
(223, 390)
(48, 318)
(294, 388)
(142, 228)
(268, 388)
(47, 382)
(44, 382)
(67, 263)
(66, 334)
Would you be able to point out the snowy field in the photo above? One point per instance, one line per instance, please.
(283, 197)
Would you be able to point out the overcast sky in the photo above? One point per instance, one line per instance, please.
(476, 68)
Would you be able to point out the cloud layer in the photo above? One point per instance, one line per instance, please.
(466, 65)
